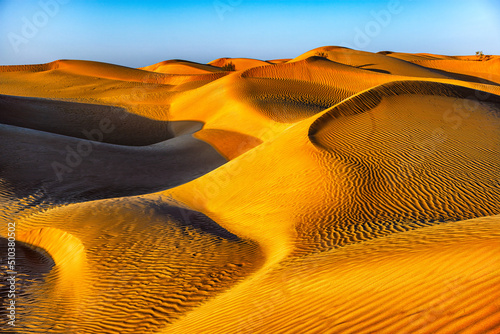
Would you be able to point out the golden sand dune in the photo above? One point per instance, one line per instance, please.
(279, 61)
(338, 192)
(359, 194)
(482, 69)
(438, 279)
(132, 276)
(239, 63)
(85, 68)
(181, 67)
(76, 79)
(371, 62)
(485, 71)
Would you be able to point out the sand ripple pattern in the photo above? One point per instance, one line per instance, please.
(337, 192)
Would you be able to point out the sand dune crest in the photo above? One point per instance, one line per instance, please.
(340, 191)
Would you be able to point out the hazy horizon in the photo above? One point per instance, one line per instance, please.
(138, 34)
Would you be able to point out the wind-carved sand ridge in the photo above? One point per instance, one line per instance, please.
(337, 192)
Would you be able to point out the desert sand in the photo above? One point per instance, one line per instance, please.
(339, 191)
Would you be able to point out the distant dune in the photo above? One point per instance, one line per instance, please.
(181, 67)
(239, 63)
(339, 191)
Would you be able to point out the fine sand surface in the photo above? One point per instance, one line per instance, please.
(339, 191)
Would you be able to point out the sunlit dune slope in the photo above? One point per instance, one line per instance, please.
(229, 143)
(265, 97)
(370, 61)
(372, 163)
(438, 279)
(148, 274)
(428, 56)
(341, 191)
(486, 70)
(180, 67)
(279, 61)
(352, 179)
(239, 63)
(86, 68)
(93, 80)
(306, 87)
(477, 68)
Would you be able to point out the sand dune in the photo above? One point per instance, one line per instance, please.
(86, 80)
(85, 68)
(340, 191)
(438, 279)
(181, 67)
(104, 123)
(70, 169)
(482, 69)
(279, 61)
(144, 279)
(371, 62)
(239, 63)
(485, 71)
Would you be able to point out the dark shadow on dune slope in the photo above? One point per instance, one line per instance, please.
(190, 218)
(465, 77)
(31, 267)
(108, 124)
(457, 76)
(373, 69)
(67, 169)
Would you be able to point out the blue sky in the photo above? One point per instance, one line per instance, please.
(140, 33)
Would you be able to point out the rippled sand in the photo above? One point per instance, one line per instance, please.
(337, 192)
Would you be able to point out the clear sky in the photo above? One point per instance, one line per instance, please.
(140, 33)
